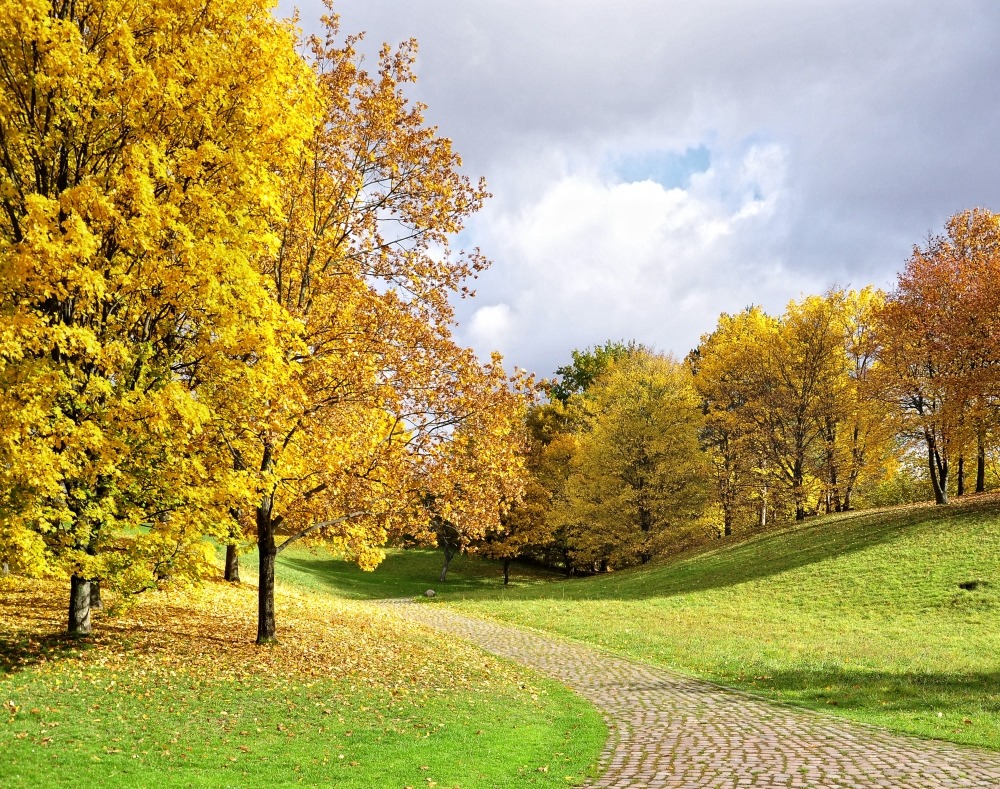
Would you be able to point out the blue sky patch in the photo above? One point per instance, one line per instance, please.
(668, 168)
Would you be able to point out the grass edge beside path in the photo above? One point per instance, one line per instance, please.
(863, 615)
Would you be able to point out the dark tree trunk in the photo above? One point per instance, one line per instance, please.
(798, 483)
(960, 489)
(939, 473)
(267, 550)
(95, 594)
(506, 572)
(981, 464)
(232, 564)
(449, 554)
(79, 606)
(727, 522)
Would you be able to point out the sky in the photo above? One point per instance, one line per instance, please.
(654, 164)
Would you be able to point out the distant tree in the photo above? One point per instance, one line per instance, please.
(638, 483)
(938, 353)
(587, 365)
(528, 528)
(723, 366)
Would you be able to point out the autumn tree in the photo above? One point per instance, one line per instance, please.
(638, 483)
(379, 424)
(859, 430)
(937, 342)
(587, 365)
(529, 530)
(139, 149)
(725, 365)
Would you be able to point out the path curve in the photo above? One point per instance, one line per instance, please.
(668, 730)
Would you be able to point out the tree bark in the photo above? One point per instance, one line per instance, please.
(798, 488)
(981, 463)
(267, 550)
(939, 473)
(506, 572)
(232, 564)
(79, 606)
(4, 568)
(95, 594)
(448, 556)
(960, 490)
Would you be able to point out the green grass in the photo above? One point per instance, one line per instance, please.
(172, 694)
(106, 729)
(860, 614)
(406, 573)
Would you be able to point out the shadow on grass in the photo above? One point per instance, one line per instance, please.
(23, 652)
(723, 565)
(402, 574)
(909, 691)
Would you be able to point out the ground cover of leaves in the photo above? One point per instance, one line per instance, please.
(174, 690)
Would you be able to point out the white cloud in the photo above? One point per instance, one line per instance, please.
(491, 329)
(839, 134)
(591, 259)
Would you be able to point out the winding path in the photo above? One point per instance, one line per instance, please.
(672, 731)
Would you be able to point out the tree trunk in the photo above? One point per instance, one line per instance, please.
(95, 594)
(448, 556)
(939, 473)
(960, 490)
(267, 550)
(981, 464)
(232, 564)
(4, 568)
(727, 522)
(798, 486)
(506, 572)
(79, 606)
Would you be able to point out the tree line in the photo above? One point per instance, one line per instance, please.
(849, 399)
(225, 274)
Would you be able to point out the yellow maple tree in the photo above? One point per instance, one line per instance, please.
(376, 409)
(141, 144)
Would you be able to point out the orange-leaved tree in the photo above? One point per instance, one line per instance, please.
(377, 410)
(938, 350)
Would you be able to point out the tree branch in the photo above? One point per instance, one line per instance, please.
(320, 525)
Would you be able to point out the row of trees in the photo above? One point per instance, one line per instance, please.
(224, 300)
(770, 418)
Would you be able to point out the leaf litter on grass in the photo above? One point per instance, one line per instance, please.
(208, 634)
(176, 682)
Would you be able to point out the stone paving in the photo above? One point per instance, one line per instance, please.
(669, 730)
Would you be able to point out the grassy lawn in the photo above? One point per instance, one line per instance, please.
(403, 573)
(863, 614)
(174, 692)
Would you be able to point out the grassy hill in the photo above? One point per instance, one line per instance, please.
(890, 617)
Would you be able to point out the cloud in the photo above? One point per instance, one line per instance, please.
(593, 258)
(653, 163)
(491, 328)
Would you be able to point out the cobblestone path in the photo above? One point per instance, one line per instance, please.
(672, 731)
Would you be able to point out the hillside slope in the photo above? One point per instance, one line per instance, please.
(889, 617)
